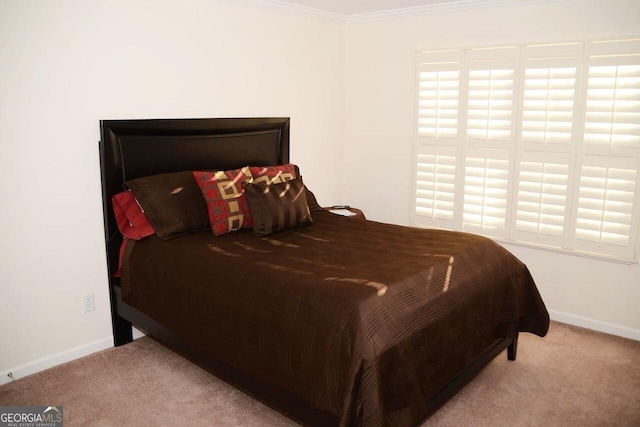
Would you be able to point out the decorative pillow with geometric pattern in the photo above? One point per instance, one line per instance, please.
(273, 174)
(226, 202)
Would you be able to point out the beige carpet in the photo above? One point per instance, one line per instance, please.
(572, 377)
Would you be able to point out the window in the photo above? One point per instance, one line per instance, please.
(532, 144)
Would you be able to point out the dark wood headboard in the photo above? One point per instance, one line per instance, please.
(134, 148)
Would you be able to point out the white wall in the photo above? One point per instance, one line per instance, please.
(379, 135)
(66, 64)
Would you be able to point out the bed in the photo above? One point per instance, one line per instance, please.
(329, 319)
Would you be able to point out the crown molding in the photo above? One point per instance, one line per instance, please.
(294, 9)
(436, 8)
(409, 12)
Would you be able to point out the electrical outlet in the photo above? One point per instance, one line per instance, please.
(88, 303)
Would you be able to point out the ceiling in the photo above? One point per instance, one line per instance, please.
(359, 7)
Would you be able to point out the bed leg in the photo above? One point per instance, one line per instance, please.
(122, 330)
(512, 349)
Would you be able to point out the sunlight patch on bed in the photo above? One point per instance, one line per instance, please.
(251, 248)
(221, 251)
(317, 239)
(381, 287)
(278, 267)
(447, 278)
(313, 262)
(177, 190)
(279, 243)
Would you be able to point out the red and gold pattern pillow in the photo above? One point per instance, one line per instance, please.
(273, 174)
(226, 202)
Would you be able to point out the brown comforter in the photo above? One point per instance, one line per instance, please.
(360, 319)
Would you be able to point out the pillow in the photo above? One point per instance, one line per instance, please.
(172, 202)
(311, 200)
(224, 197)
(273, 174)
(130, 218)
(281, 173)
(277, 207)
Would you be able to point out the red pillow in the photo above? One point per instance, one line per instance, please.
(226, 203)
(273, 174)
(131, 220)
(123, 246)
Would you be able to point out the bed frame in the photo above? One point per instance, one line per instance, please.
(134, 148)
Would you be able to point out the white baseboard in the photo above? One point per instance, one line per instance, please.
(596, 325)
(54, 360)
(60, 358)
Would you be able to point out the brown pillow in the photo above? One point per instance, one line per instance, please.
(277, 207)
(311, 200)
(172, 202)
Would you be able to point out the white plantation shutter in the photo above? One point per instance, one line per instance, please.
(613, 95)
(436, 183)
(541, 201)
(544, 147)
(607, 210)
(485, 194)
(490, 94)
(439, 103)
(464, 106)
(548, 104)
(606, 220)
(549, 94)
(535, 144)
(438, 123)
(439, 91)
(490, 104)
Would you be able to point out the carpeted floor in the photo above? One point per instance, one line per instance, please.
(572, 377)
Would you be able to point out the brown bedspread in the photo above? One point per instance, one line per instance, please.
(362, 320)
